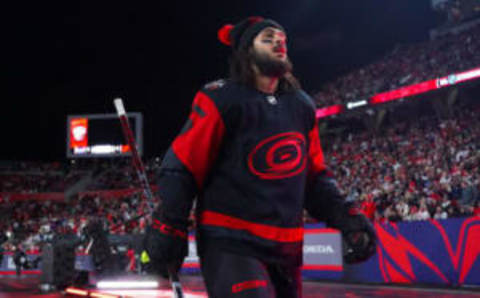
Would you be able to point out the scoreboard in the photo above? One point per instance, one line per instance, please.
(100, 135)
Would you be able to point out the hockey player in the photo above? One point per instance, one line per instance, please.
(250, 153)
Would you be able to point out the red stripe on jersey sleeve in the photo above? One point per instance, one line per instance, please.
(315, 152)
(198, 147)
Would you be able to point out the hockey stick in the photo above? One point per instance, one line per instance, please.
(142, 176)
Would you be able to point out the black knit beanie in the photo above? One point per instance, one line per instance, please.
(241, 35)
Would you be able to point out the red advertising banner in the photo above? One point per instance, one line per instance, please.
(44, 196)
(328, 111)
(404, 92)
(115, 193)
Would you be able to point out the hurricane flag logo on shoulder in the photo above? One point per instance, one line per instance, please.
(215, 85)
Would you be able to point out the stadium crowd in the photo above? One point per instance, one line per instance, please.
(405, 65)
(413, 170)
(36, 177)
(32, 222)
(427, 169)
(121, 175)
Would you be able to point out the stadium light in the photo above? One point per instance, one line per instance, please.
(118, 284)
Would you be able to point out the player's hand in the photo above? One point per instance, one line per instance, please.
(165, 247)
(359, 239)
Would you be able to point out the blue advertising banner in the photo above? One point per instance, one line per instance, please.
(443, 252)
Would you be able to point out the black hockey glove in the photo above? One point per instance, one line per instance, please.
(359, 239)
(325, 203)
(165, 247)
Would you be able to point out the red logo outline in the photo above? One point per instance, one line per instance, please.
(282, 169)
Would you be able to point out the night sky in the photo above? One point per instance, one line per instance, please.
(68, 57)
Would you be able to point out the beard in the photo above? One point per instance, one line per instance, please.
(271, 67)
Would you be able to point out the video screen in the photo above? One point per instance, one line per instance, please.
(101, 135)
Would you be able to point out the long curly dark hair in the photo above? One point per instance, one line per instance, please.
(241, 71)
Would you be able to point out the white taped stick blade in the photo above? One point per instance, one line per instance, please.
(118, 102)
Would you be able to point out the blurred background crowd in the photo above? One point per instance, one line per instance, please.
(413, 169)
(405, 65)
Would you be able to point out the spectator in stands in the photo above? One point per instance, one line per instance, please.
(440, 213)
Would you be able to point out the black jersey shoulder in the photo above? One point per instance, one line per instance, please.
(228, 97)
(224, 93)
(305, 103)
(220, 90)
(305, 99)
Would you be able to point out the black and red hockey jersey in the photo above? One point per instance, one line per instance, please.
(248, 158)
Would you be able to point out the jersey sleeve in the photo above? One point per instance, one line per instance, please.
(189, 159)
(315, 152)
(323, 201)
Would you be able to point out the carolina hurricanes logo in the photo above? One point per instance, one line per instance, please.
(279, 156)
